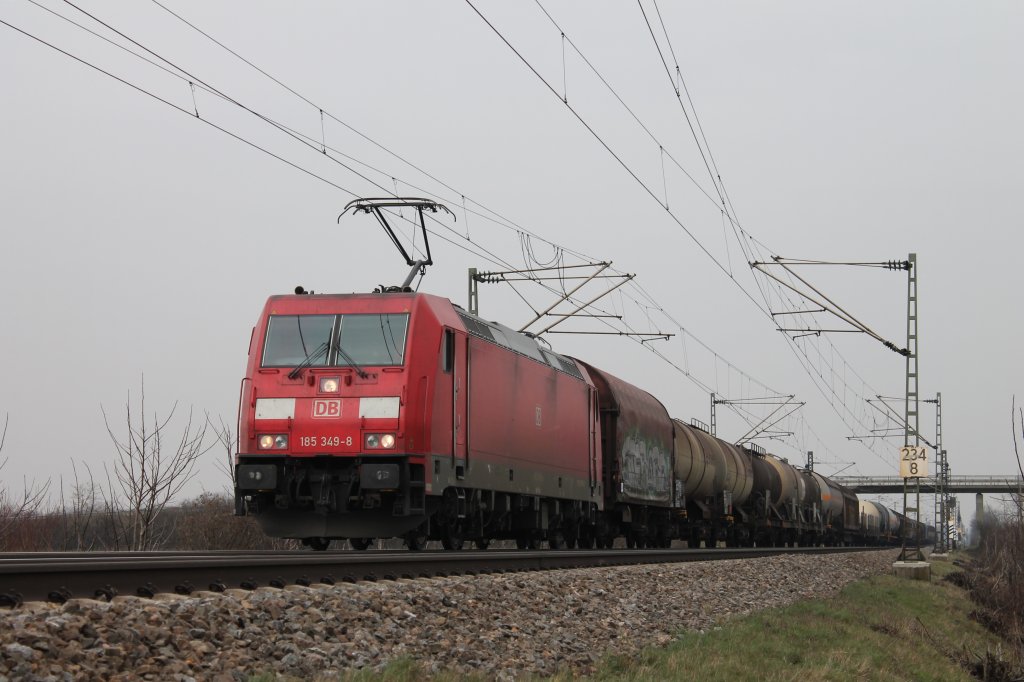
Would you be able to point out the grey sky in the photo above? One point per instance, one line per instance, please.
(138, 239)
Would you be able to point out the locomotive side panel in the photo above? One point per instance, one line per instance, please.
(529, 426)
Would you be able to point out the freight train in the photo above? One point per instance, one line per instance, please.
(400, 415)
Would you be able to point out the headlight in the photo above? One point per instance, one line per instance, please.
(276, 442)
(329, 384)
(377, 441)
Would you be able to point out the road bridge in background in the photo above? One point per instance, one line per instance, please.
(957, 484)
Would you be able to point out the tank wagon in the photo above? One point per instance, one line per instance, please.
(398, 414)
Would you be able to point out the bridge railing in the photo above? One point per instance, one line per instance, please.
(963, 483)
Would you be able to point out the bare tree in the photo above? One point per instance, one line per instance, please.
(1017, 422)
(147, 474)
(78, 531)
(16, 508)
(226, 439)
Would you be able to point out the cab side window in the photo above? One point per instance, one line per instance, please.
(448, 351)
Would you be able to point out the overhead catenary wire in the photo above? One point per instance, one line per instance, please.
(725, 200)
(311, 103)
(682, 82)
(219, 128)
(615, 155)
(399, 157)
(319, 145)
(494, 217)
(716, 176)
(308, 139)
(730, 220)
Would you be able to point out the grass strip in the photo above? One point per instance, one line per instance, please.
(881, 628)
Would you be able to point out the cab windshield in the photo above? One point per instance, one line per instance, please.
(335, 340)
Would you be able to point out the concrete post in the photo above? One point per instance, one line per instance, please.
(979, 513)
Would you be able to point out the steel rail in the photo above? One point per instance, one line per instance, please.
(62, 576)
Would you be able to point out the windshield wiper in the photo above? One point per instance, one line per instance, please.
(310, 359)
(352, 363)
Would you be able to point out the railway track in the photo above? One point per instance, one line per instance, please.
(57, 577)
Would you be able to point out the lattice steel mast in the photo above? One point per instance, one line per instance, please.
(911, 433)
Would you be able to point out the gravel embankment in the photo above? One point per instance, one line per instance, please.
(501, 626)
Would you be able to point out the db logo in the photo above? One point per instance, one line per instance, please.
(326, 409)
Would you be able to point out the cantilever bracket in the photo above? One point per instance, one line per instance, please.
(825, 304)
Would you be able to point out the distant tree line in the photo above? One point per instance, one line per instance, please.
(135, 504)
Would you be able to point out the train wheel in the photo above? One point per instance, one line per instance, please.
(586, 539)
(451, 538)
(526, 541)
(557, 540)
(416, 540)
(572, 537)
(317, 544)
(482, 543)
(360, 543)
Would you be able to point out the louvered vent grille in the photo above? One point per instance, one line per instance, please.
(570, 367)
(477, 328)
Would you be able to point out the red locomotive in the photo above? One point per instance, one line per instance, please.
(398, 414)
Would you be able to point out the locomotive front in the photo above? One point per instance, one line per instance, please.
(326, 444)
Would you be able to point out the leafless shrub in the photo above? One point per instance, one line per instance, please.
(209, 522)
(17, 507)
(998, 580)
(147, 475)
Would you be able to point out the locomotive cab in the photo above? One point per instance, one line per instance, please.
(326, 442)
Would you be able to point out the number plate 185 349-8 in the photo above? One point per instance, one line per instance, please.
(335, 442)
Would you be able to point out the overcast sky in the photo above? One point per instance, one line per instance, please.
(141, 240)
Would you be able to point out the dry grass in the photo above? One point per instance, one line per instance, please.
(881, 628)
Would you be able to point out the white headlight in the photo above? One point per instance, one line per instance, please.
(329, 385)
(375, 441)
(266, 442)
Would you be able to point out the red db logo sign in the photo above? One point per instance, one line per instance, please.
(326, 409)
